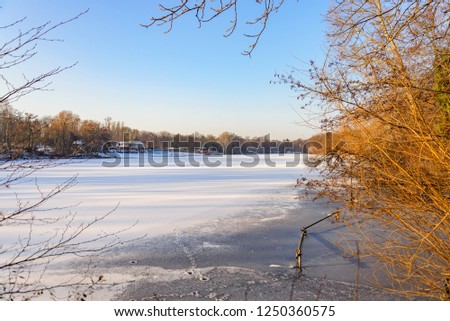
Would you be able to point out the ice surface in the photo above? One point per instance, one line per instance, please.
(212, 233)
(160, 199)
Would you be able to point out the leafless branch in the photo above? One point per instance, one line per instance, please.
(24, 261)
(205, 11)
(23, 47)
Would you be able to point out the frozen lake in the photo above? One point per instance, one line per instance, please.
(206, 231)
(161, 194)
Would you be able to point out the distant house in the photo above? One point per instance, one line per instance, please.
(130, 147)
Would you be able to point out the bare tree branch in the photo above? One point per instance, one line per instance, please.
(22, 48)
(206, 11)
(24, 261)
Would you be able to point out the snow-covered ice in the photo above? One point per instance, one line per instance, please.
(160, 199)
(230, 228)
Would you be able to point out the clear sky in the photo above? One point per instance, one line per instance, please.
(191, 79)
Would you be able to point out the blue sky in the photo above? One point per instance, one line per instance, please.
(191, 79)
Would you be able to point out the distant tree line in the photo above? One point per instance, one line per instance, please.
(67, 134)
